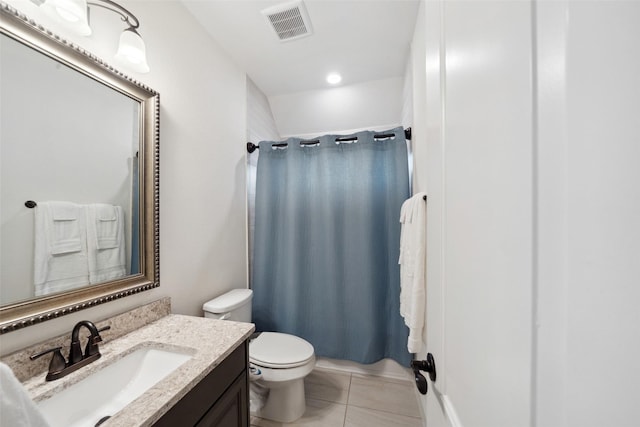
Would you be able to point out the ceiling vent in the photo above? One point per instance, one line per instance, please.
(290, 20)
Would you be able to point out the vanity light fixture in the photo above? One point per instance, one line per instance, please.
(334, 78)
(75, 15)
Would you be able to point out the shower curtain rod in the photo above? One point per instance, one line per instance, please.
(251, 147)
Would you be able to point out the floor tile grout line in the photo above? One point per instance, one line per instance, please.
(349, 389)
(367, 377)
(384, 380)
(386, 412)
(346, 409)
(327, 400)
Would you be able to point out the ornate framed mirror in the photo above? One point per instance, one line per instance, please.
(73, 132)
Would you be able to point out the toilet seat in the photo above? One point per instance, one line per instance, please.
(280, 351)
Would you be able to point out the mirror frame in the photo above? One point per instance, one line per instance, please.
(15, 316)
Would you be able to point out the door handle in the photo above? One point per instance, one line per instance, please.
(429, 366)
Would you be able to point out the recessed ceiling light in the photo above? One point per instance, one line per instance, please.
(334, 78)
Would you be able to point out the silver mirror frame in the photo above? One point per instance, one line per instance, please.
(19, 27)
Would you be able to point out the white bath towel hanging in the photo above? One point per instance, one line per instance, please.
(412, 262)
(105, 242)
(60, 253)
(16, 407)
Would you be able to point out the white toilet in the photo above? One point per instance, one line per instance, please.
(281, 361)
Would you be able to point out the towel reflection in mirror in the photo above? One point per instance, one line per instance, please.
(77, 245)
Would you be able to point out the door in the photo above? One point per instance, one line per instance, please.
(533, 213)
(479, 212)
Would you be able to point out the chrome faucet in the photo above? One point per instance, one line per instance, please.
(59, 367)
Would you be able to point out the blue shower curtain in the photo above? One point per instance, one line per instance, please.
(327, 238)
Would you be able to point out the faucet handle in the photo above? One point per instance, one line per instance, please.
(92, 344)
(57, 360)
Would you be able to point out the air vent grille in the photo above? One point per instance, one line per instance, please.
(290, 21)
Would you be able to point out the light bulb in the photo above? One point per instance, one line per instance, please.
(71, 13)
(334, 78)
(132, 51)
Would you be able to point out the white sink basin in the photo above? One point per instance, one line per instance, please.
(110, 389)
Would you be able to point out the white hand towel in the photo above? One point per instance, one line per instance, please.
(65, 233)
(16, 407)
(105, 242)
(60, 261)
(405, 256)
(108, 233)
(412, 270)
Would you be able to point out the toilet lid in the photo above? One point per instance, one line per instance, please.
(276, 350)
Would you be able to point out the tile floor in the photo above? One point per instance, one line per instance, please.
(341, 399)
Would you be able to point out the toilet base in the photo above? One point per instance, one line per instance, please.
(285, 402)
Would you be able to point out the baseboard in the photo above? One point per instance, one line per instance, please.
(450, 412)
(422, 402)
(385, 368)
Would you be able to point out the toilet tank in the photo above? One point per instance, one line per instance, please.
(233, 305)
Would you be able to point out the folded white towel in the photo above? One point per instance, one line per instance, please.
(65, 230)
(64, 211)
(108, 226)
(60, 261)
(16, 407)
(412, 262)
(105, 242)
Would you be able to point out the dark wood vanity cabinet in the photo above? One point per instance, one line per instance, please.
(231, 409)
(221, 399)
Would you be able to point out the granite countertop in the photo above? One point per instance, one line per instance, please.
(209, 341)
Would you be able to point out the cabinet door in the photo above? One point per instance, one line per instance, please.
(194, 408)
(231, 409)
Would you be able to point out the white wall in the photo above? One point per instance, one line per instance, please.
(407, 94)
(260, 127)
(416, 67)
(260, 123)
(202, 149)
(375, 105)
